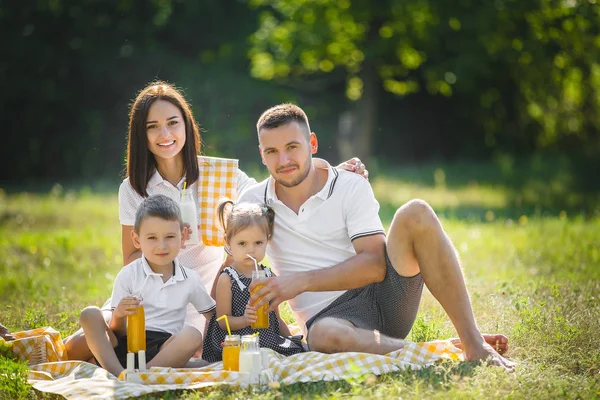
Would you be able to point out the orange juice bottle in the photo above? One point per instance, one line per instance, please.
(136, 331)
(262, 315)
(231, 353)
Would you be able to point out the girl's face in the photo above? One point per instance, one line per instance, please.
(165, 130)
(251, 240)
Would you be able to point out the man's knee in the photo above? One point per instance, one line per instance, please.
(330, 336)
(416, 214)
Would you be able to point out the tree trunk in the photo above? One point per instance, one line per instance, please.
(356, 125)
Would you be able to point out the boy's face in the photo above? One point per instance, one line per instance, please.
(251, 240)
(160, 241)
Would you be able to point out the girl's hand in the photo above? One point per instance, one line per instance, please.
(250, 314)
(356, 166)
(127, 306)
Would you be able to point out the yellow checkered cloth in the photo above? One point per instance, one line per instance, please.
(218, 178)
(39, 345)
(77, 379)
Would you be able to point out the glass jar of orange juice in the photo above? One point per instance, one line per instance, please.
(231, 353)
(262, 315)
(136, 331)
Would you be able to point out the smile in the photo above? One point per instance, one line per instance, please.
(172, 142)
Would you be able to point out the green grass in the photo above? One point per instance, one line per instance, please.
(533, 272)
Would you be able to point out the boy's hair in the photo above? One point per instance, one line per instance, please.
(234, 218)
(141, 163)
(159, 206)
(283, 114)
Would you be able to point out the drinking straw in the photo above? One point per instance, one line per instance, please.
(226, 323)
(255, 263)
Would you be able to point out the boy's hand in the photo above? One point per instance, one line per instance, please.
(250, 314)
(127, 306)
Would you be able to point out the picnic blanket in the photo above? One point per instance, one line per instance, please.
(78, 379)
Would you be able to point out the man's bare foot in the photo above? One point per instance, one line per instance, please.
(485, 352)
(498, 342)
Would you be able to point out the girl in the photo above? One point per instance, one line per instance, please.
(248, 227)
(163, 144)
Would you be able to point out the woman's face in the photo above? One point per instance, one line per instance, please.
(165, 129)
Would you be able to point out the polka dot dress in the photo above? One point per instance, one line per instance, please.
(269, 338)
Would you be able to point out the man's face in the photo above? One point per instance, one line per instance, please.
(287, 152)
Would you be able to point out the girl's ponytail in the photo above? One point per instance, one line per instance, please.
(223, 213)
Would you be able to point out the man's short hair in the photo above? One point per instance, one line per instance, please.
(159, 206)
(283, 114)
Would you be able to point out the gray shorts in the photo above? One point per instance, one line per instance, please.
(389, 306)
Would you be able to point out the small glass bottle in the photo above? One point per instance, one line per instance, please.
(189, 215)
(250, 358)
(231, 353)
(262, 315)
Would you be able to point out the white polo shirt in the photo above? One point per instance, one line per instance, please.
(165, 303)
(321, 234)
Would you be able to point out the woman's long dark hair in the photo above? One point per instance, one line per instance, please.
(141, 163)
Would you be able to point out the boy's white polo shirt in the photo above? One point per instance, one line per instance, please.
(321, 234)
(165, 303)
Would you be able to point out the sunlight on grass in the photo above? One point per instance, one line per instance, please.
(534, 277)
(389, 190)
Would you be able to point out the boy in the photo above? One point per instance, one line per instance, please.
(165, 288)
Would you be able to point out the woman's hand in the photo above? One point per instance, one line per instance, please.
(356, 166)
(127, 306)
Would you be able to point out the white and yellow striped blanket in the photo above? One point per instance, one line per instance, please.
(77, 379)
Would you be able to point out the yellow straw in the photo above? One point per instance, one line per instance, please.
(226, 323)
(183, 191)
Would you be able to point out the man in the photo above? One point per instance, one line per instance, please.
(350, 287)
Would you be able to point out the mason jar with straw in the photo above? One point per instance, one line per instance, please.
(231, 349)
(262, 314)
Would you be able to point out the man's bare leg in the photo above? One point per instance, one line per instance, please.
(334, 335)
(416, 242)
(177, 351)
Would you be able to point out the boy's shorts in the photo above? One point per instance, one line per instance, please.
(389, 306)
(153, 342)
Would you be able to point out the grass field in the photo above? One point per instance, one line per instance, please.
(532, 269)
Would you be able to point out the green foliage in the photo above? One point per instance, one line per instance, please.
(13, 379)
(523, 74)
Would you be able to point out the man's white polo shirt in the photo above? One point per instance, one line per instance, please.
(165, 303)
(321, 234)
